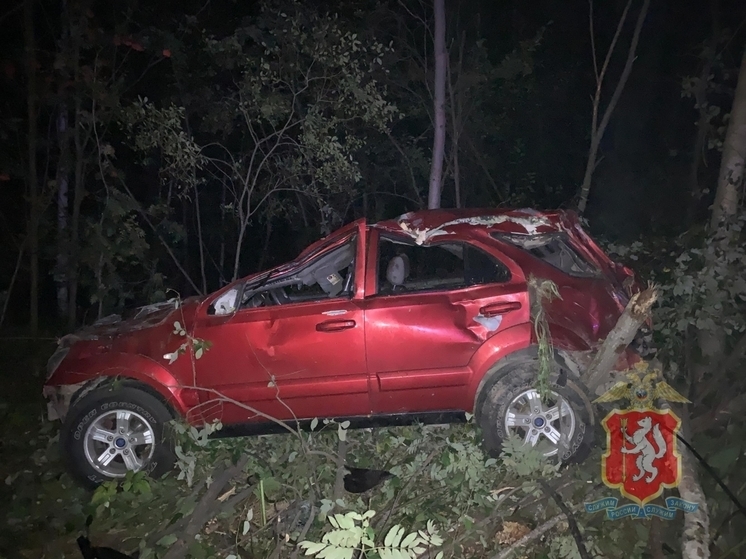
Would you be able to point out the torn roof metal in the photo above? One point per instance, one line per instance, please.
(424, 225)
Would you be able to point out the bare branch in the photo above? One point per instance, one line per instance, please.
(597, 130)
(204, 509)
(574, 530)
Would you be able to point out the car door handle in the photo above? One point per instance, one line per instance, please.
(496, 309)
(335, 325)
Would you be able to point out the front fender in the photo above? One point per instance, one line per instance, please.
(130, 366)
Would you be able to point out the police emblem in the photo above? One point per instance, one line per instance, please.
(641, 458)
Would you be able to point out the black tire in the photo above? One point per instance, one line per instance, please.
(507, 389)
(98, 409)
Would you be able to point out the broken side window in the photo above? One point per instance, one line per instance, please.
(404, 267)
(329, 275)
(553, 248)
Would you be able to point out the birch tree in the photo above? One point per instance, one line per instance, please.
(439, 101)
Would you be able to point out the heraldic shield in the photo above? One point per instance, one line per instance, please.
(641, 457)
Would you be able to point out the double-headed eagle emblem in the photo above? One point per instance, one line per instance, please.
(641, 389)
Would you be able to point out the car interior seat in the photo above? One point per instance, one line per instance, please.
(397, 271)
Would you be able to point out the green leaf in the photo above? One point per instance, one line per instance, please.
(165, 541)
(312, 548)
(393, 537)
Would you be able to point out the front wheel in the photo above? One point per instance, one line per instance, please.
(115, 430)
(558, 426)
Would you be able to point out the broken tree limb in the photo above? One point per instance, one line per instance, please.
(574, 530)
(634, 315)
(205, 508)
(534, 534)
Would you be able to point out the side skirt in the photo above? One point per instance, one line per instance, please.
(356, 422)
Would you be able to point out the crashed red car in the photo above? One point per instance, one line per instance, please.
(424, 317)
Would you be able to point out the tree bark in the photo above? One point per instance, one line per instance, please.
(60, 276)
(695, 539)
(439, 141)
(78, 180)
(634, 315)
(731, 175)
(703, 122)
(456, 119)
(597, 133)
(32, 179)
(78, 194)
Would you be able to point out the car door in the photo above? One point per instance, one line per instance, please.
(292, 353)
(421, 335)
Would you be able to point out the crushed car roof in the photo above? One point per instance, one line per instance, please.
(423, 225)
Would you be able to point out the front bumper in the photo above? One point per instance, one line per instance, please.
(59, 398)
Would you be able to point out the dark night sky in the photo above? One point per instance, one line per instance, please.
(641, 184)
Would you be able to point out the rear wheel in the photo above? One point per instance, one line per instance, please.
(115, 430)
(559, 426)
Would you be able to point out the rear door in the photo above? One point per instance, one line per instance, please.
(421, 335)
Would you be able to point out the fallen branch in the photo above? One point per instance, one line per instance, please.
(19, 260)
(635, 314)
(339, 481)
(574, 530)
(204, 510)
(534, 534)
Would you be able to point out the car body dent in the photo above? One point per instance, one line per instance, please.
(362, 355)
(126, 366)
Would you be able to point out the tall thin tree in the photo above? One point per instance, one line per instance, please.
(732, 172)
(439, 99)
(32, 175)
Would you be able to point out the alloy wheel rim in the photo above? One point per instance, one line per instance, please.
(541, 423)
(119, 441)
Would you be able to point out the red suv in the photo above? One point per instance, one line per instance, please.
(425, 317)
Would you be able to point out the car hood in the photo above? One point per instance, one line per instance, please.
(141, 318)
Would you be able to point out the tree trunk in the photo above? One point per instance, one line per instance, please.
(199, 239)
(32, 180)
(703, 122)
(221, 263)
(456, 119)
(265, 246)
(597, 132)
(695, 538)
(78, 194)
(635, 314)
(731, 175)
(439, 141)
(78, 188)
(63, 180)
(61, 275)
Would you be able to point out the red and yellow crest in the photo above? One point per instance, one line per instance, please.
(641, 457)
